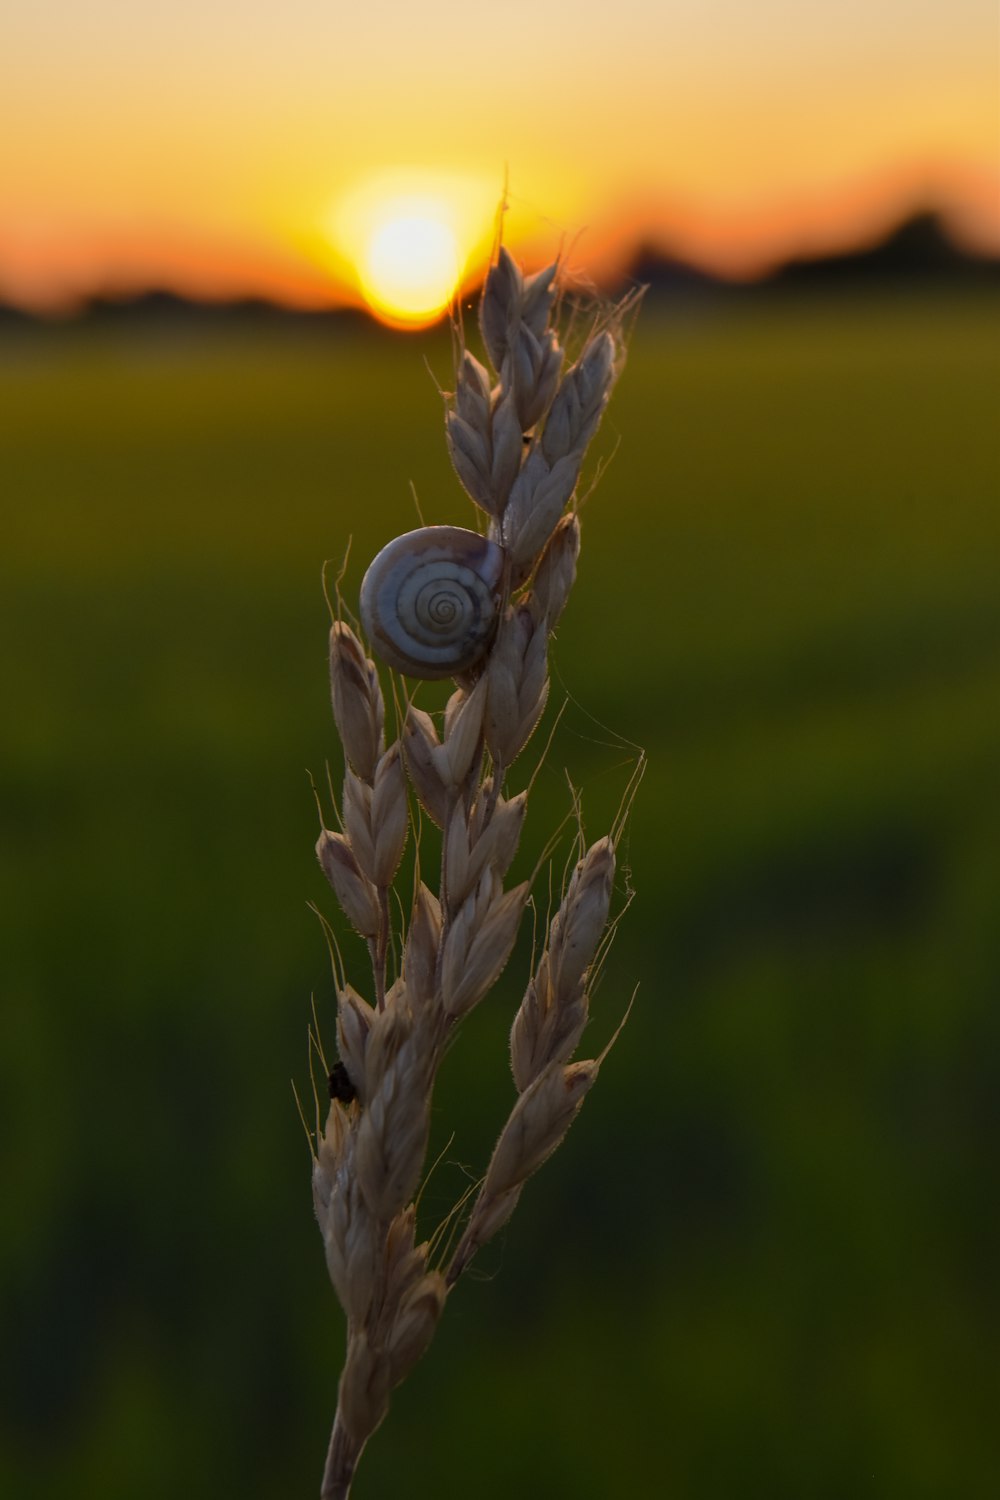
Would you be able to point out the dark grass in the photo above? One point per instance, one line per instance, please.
(764, 1262)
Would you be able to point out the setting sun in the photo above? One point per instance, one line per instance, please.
(411, 266)
(406, 239)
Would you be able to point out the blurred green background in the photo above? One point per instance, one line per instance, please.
(764, 1262)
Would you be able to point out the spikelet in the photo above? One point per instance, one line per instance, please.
(553, 1013)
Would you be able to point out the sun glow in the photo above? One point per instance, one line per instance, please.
(411, 266)
(408, 240)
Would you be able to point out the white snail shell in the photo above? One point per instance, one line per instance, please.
(430, 601)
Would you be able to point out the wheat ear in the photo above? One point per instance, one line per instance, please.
(517, 443)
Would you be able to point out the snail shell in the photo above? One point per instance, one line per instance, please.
(430, 601)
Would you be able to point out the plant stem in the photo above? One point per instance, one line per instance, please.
(341, 1462)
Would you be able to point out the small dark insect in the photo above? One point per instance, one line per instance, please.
(341, 1087)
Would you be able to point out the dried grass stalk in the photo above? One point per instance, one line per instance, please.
(517, 443)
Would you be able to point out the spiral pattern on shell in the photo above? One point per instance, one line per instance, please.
(430, 600)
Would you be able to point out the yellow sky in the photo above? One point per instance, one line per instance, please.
(212, 145)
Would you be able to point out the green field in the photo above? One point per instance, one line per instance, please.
(764, 1263)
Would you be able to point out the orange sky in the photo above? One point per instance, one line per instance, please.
(218, 147)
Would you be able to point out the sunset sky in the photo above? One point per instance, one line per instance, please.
(223, 148)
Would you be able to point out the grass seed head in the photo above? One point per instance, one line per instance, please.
(517, 447)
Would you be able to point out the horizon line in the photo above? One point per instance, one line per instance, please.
(646, 254)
